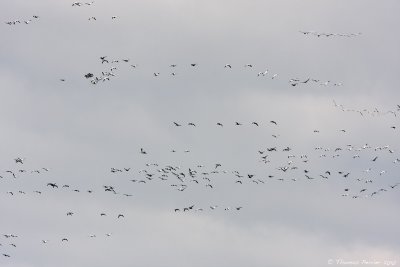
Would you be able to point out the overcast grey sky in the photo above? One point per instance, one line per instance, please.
(79, 131)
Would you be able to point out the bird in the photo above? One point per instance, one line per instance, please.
(12, 173)
(19, 160)
(142, 151)
(120, 216)
(228, 66)
(53, 185)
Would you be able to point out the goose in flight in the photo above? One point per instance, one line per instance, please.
(220, 124)
(12, 173)
(228, 66)
(142, 151)
(53, 185)
(177, 124)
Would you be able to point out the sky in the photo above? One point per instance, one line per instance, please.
(73, 132)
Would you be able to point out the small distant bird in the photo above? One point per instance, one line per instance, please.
(120, 216)
(53, 185)
(228, 66)
(19, 160)
(142, 151)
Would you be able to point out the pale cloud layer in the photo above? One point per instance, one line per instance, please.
(79, 131)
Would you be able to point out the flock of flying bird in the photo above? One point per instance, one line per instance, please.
(283, 163)
(109, 73)
(371, 112)
(323, 34)
(22, 21)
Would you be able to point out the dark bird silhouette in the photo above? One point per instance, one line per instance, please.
(53, 185)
